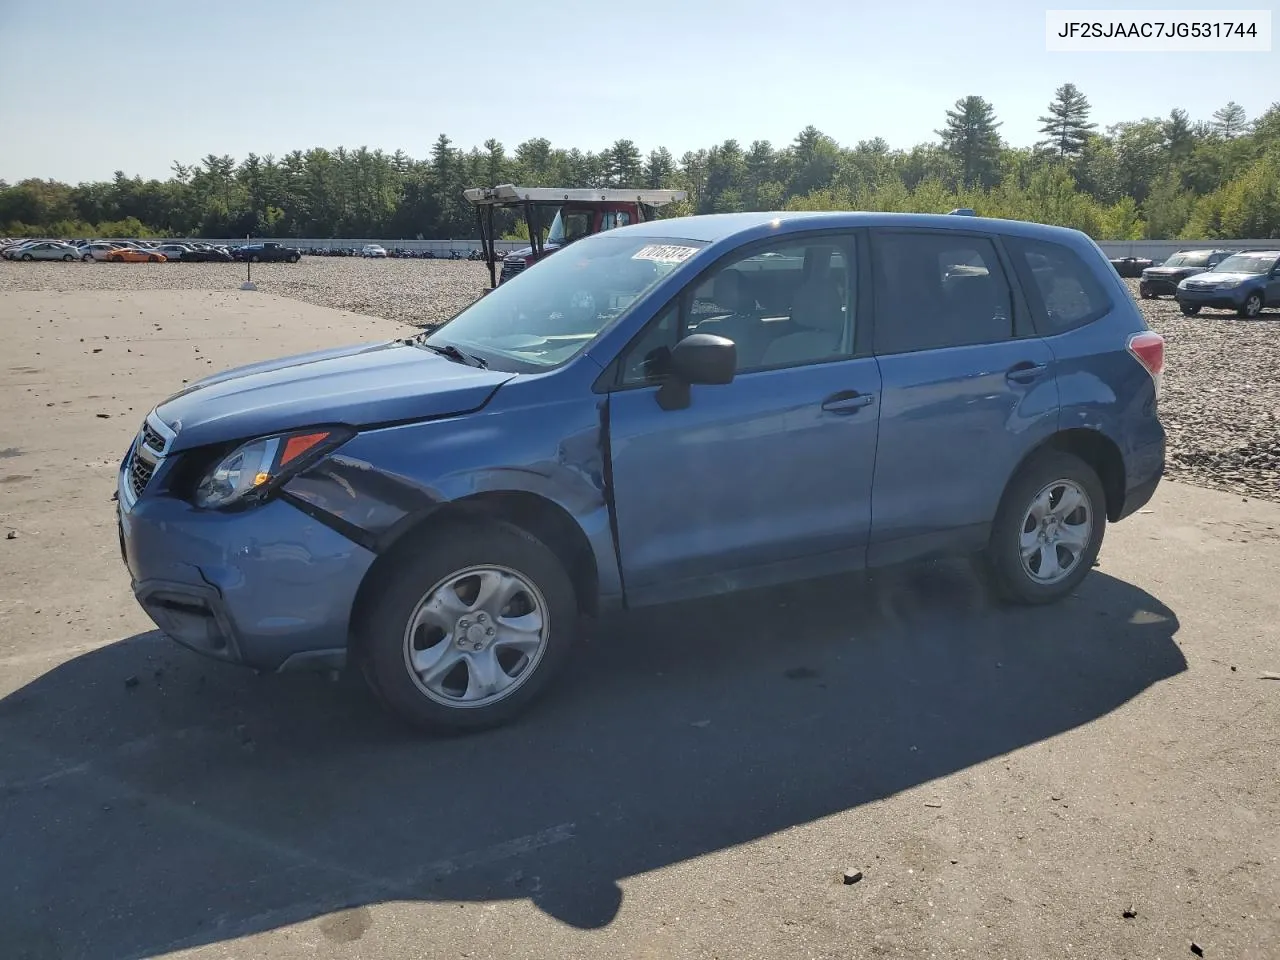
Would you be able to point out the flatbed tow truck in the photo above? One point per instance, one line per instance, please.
(572, 214)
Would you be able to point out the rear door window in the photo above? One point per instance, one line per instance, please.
(938, 289)
(1063, 291)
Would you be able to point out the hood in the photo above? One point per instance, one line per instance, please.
(528, 251)
(358, 386)
(1174, 271)
(1214, 277)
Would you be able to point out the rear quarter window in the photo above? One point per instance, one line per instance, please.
(1063, 291)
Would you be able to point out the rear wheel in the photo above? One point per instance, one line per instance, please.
(1190, 309)
(466, 631)
(1146, 294)
(27, 257)
(1251, 307)
(294, 258)
(153, 259)
(69, 257)
(87, 257)
(1048, 530)
(254, 258)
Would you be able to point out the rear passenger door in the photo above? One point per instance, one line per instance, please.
(967, 390)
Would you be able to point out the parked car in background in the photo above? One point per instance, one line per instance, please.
(1130, 266)
(267, 252)
(97, 250)
(45, 250)
(677, 408)
(373, 250)
(1163, 279)
(206, 253)
(175, 251)
(134, 255)
(1245, 282)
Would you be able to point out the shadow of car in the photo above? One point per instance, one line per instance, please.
(154, 801)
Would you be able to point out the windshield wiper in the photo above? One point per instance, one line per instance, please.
(453, 353)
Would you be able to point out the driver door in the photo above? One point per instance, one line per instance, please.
(764, 479)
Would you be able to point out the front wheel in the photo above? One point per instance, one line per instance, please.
(1190, 309)
(153, 259)
(27, 257)
(1251, 307)
(468, 629)
(69, 257)
(253, 259)
(87, 257)
(294, 258)
(1048, 530)
(1146, 294)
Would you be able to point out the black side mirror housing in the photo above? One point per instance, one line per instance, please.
(699, 358)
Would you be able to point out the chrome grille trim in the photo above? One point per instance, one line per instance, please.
(152, 443)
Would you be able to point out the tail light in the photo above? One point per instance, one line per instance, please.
(1148, 349)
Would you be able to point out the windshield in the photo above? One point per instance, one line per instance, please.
(569, 225)
(1188, 260)
(1244, 263)
(548, 314)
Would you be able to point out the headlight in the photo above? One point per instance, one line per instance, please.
(1228, 284)
(254, 469)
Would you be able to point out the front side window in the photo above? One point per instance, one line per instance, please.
(1068, 291)
(569, 225)
(550, 313)
(781, 306)
(938, 290)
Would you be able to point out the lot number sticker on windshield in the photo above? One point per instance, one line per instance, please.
(665, 253)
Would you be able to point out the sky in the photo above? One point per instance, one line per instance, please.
(92, 87)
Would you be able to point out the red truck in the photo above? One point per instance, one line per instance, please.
(573, 213)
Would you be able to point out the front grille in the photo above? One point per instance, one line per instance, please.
(152, 439)
(511, 267)
(140, 472)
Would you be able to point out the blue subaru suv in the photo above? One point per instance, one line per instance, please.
(670, 410)
(1244, 282)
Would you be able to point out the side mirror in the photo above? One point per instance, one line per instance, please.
(699, 358)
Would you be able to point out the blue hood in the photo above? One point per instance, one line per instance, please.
(358, 386)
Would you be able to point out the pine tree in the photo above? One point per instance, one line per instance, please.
(1067, 126)
(971, 137)
(1230, 121)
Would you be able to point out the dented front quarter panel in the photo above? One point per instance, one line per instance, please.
(527, 439)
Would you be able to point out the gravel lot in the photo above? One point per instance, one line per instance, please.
(1222, 394)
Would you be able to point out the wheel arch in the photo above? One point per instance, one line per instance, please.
(1096, 449)
(535, 514)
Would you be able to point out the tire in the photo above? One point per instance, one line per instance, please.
(1046, 474)
(254, 258)
(153, 259)
(383, 642)
(1251, 307)
(87, 257)
(1146, 294)
(294, 258)
(69, 257)
(1190, 309)
(27, 257)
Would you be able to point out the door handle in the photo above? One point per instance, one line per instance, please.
(1026, 371)
(848, 401)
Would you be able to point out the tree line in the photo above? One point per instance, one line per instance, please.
(1156, 178)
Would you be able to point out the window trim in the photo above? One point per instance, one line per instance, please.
(1020, 325)
(850, 240)
(1039, 309)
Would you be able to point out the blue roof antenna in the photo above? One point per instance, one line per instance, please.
(962, 212)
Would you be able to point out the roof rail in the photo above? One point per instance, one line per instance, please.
(962, 212)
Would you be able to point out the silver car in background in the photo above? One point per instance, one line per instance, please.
(97, 250)
(45, 250)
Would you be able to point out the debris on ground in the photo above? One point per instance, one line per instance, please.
(1129, 913)
(852, 876)
(11, 535)
(1197, 949)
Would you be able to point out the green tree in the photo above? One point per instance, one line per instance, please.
(971, 136)
(1066, 127)
(1230, 121)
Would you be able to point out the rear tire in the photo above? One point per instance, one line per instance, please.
(421, 607)
(294, 258)
(1041, 546)
(1251, 307)
(87, 257)
(253, 259)
(1190, 309)
(27, 257)
(69, 257)
(1146, 294)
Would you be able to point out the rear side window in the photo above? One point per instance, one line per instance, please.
(1064, 292)
(938, 290)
